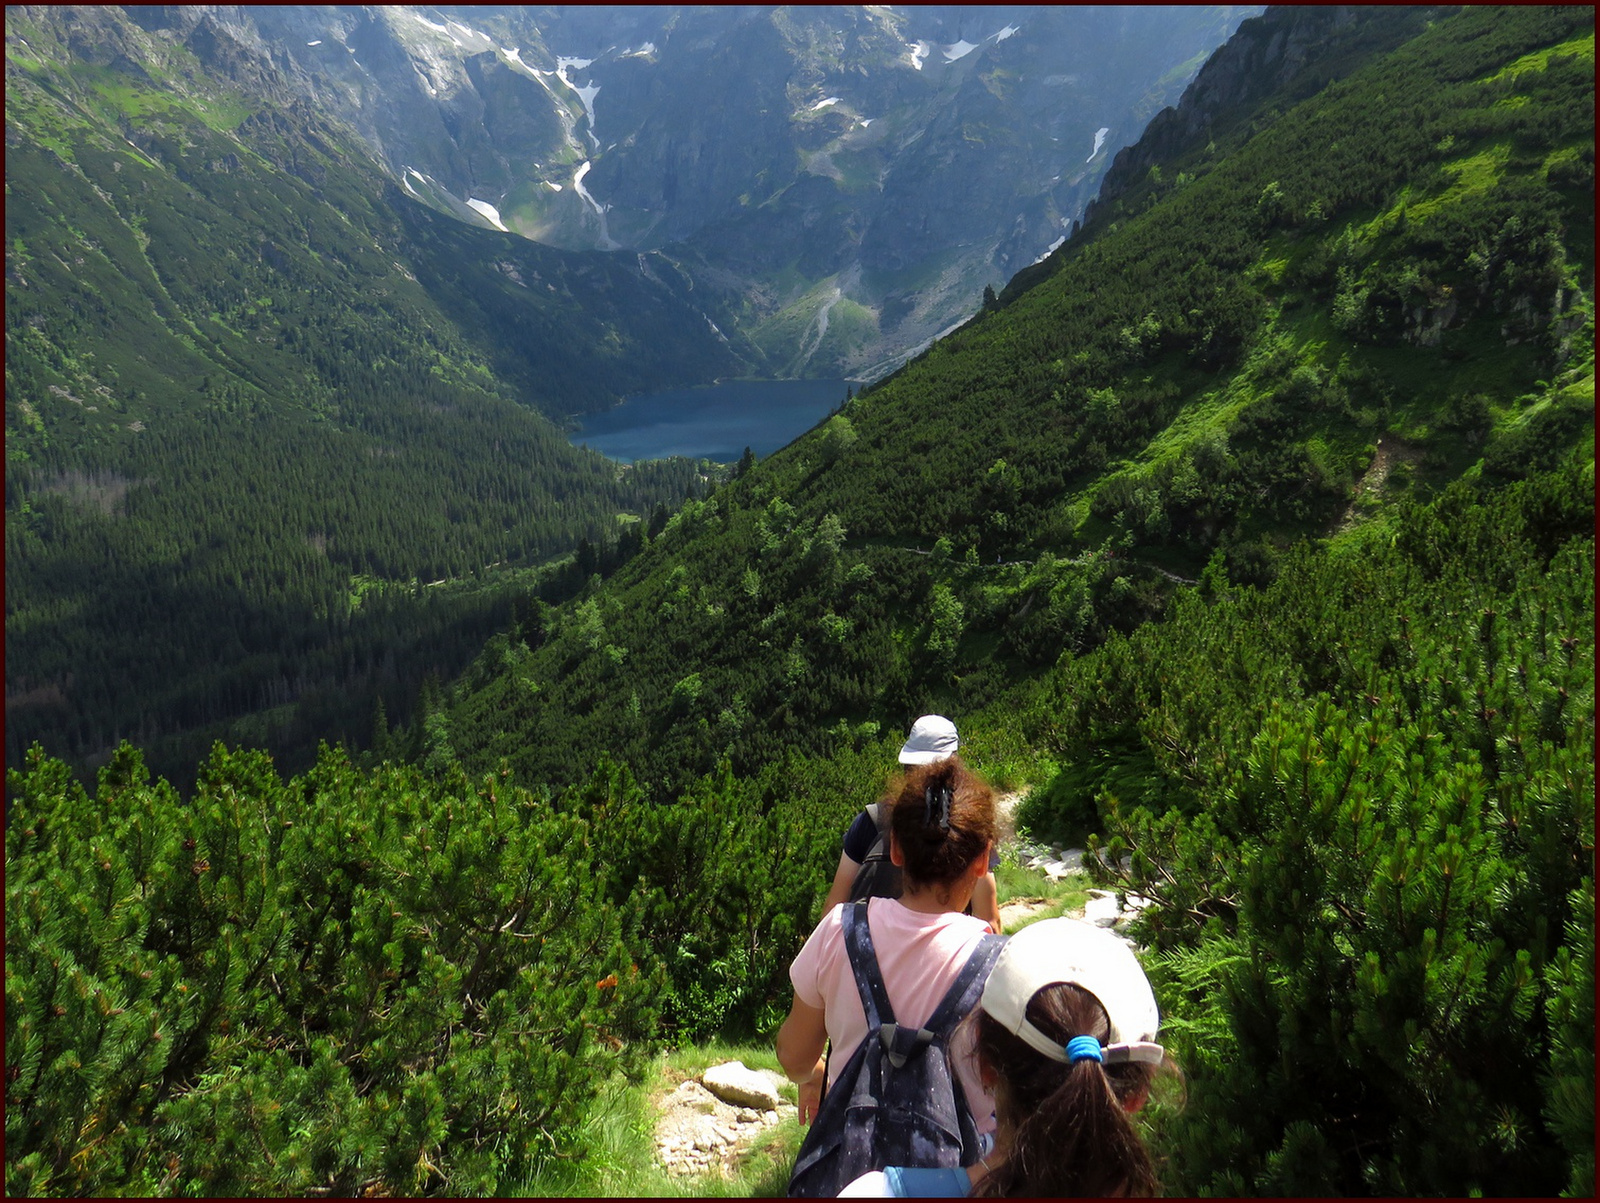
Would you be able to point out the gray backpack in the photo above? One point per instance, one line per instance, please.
(878, 877)
(898, 1100)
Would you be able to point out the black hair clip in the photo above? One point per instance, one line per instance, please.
(944, 806)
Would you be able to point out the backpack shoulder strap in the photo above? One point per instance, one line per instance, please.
(965, 991)
(864, 965)
(901, 1044)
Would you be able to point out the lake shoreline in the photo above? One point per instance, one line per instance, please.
(714, 421)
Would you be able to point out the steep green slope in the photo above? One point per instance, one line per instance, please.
(1371, 297)
(256, 400)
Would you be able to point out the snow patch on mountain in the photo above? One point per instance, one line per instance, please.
(1008, 31)
(488, 211)
(586, 94)
(1050, 250)
(606, 242)
(440, 29)
(514, 55)
(822, 104)
(1099, 140)
(474, 35)
(958, 50)
(919, 51)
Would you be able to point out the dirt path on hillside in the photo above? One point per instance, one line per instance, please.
(1388, 452)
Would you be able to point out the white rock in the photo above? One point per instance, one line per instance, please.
(1101, 911)
(734, 1082)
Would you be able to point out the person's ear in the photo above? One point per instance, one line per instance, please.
(896, 857)
(1136, 1100)
(980, 866)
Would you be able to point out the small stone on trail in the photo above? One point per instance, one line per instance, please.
(691, 1093)
(735, 1083)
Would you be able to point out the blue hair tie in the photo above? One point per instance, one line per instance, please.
(1084, 1048)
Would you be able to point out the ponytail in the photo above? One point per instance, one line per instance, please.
(1070, 1128)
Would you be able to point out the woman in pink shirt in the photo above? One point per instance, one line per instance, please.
(942, 826)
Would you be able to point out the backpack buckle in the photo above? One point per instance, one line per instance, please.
(900, 1051)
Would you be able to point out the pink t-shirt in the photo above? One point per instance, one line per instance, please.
(919, 956)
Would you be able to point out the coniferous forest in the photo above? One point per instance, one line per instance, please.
(278, 440)
(1253, 530)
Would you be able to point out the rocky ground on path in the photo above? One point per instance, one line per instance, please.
(1104, 907)
(702, 1130)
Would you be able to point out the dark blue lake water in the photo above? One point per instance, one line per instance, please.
(715, 422)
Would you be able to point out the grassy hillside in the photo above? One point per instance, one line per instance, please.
(257, 401)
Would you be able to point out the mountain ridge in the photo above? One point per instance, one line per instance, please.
(491, 115)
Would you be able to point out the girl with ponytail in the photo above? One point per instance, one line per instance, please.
(1065, 1038)
(941, 830)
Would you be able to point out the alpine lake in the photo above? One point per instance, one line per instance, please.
(715, 422)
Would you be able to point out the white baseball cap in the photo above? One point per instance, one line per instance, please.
(1066, 950)
(933, 737)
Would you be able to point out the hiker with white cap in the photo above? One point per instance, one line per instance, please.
(1065, 1036)
(865, 870)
